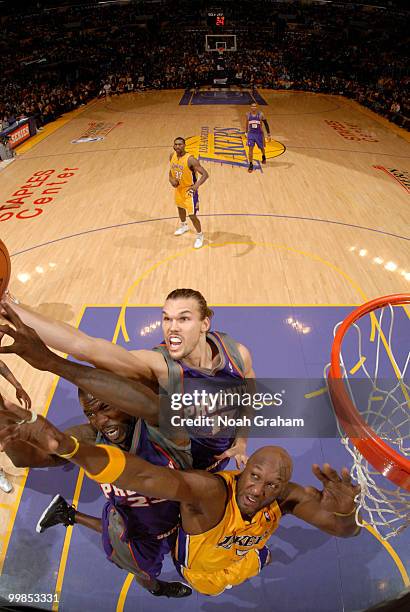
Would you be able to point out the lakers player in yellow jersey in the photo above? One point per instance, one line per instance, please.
(183, 176)
(226, 518)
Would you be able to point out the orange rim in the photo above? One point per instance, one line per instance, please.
(380, 455)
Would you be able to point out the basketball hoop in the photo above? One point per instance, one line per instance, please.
(376, 432)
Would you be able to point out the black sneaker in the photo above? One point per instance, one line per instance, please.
(57, 513)
(172, 589)
(250, 169)
(263, 159)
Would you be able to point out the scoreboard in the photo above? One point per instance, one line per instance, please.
(216, 18)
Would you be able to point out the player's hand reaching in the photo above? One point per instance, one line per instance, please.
(27, 343)
(23, 397)
(338, 493)
(18, 424)
(238, 452)
(174, 182)
(193, 189)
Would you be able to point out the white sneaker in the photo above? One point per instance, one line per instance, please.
(5, 484)
(182, 229)
(199, 241)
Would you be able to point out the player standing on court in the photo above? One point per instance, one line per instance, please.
(254, 133)
(183, 177)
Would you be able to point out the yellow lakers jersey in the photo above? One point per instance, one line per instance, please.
(182, 172)
(230, 540)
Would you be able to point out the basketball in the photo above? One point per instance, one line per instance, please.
(5, 268)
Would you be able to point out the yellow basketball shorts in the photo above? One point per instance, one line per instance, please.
(215, 582)
(189, 202)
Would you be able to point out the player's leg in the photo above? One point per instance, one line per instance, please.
(251, 145)
(59, 512)
(141, 556)
(183, 227)
(193, 210)
(91, 522)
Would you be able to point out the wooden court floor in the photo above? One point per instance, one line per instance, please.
(91, 223)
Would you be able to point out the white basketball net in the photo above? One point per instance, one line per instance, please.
(382, 504)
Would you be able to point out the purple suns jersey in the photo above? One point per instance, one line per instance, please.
(144, 517)
(254, 124)
(229, 373)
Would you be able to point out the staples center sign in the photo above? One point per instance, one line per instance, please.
(34, 196)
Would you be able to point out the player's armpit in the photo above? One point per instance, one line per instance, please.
(247, 361)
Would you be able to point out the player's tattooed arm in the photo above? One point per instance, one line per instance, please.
(128, 395)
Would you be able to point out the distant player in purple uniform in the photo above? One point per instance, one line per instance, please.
(254, 133)
(186, 323)
(137, 531)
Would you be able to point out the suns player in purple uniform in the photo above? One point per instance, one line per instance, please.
(137, 531)
(254, 132)
(226, 364)
(186, 323)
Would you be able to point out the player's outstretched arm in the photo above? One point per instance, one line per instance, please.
(25, 455)
(332, 509)
(68, 339)
(128, 395)
(109, 464)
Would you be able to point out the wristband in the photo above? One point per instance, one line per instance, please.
(345, 513)
(115, 467)
(32, 419)
(76, 447)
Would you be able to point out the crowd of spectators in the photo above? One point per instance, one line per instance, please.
(54, 60)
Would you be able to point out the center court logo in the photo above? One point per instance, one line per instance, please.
(227, 145)
(96, 131)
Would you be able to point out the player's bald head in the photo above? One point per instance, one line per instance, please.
(264, 479)
(275, 457)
